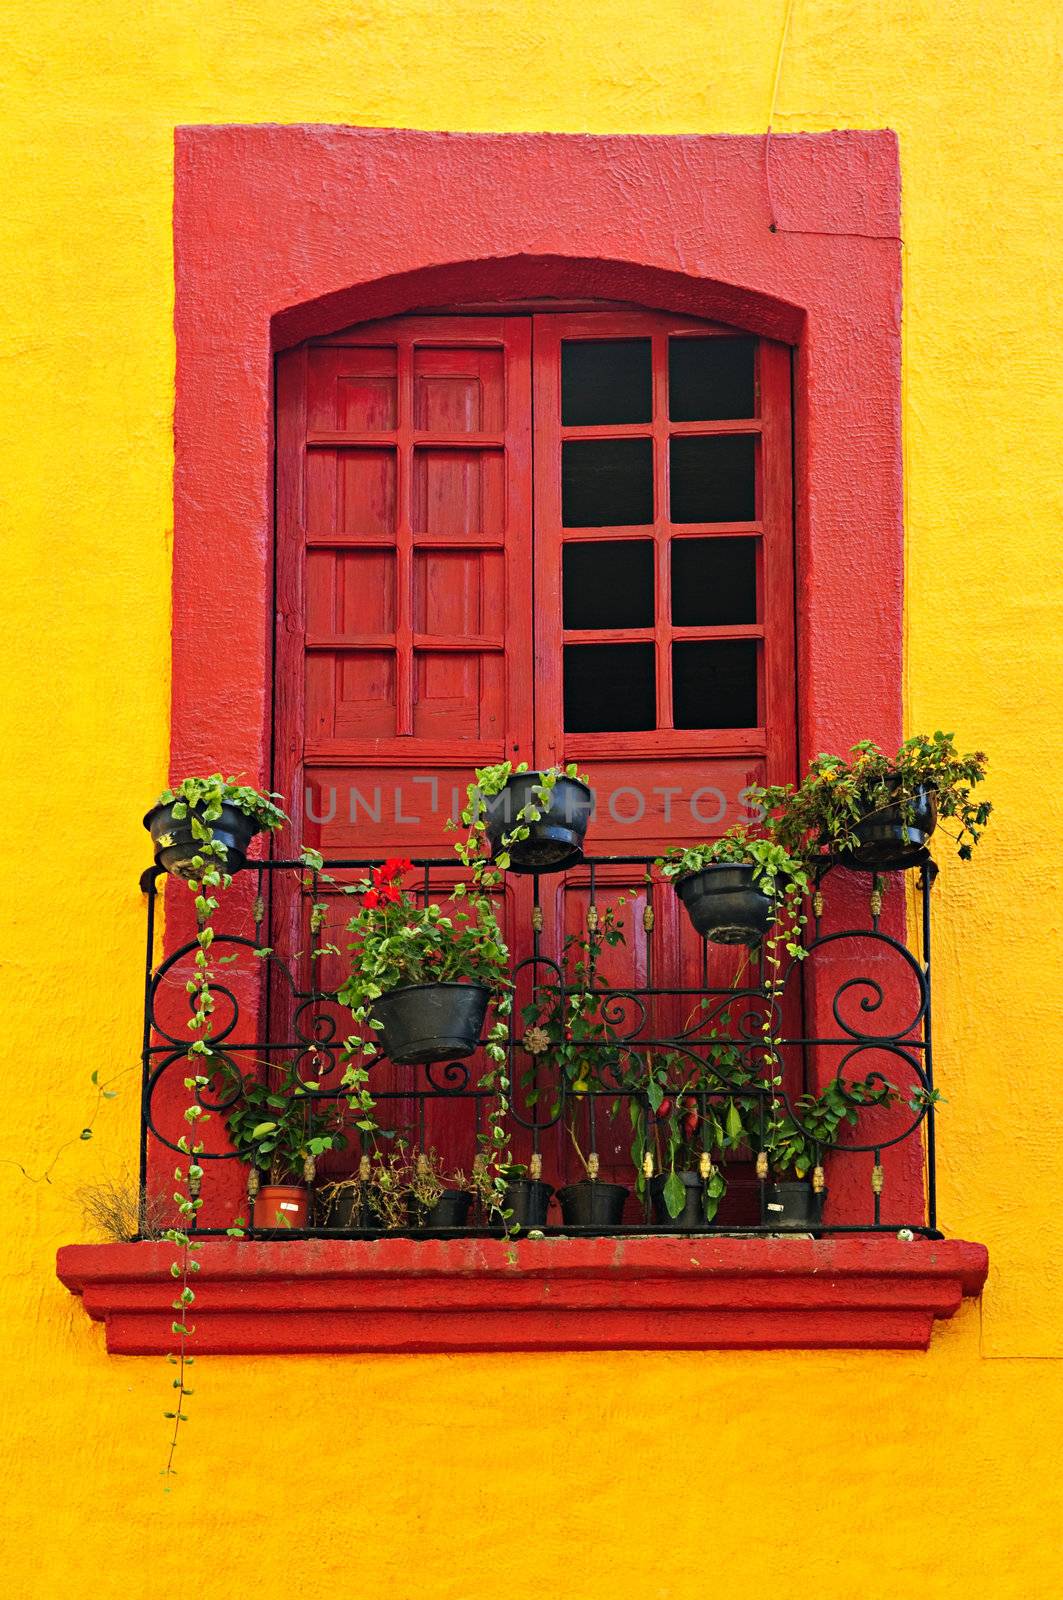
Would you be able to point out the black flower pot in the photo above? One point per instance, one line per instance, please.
(556, 840)
(527, 1200)
(590, 1204)
(693, 1212)
(344, 1209)
(175, 846)
(431, 1021)
(451, 1210)
(794, 1207)
(725, 905)
(886, 842)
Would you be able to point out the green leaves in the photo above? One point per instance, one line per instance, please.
(675, 1194)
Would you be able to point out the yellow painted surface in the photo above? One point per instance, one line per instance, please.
(468, 1477)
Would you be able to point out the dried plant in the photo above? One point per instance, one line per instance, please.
(112, 1207)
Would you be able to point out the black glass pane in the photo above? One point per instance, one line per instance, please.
(714, 684)
(608, 584)
(609, 688)
(606, 380)
(713, 581)
(606, 483)
(712, 478)
(710, 380)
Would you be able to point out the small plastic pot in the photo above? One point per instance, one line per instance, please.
(345, 1208)
(431, 1021)
(281, 1205)
(555, 842)
(590, 1204)
(693, 1212)
(794, 1207)
(175, 846)
(527, 1199)
(724, 903)
(886, 842)
(451, 1210)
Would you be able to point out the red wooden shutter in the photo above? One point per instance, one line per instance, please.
(404, 575)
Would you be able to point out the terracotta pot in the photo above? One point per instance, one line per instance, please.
(281, 1205)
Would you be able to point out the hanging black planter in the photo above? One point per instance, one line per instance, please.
(693, 1212)
(724, 903)
(451, 1210)
(555, 842)
(590, 1204)
(527, 1200)
(425, 1022)
(794, 1207)
(175, 846)
(886, 841)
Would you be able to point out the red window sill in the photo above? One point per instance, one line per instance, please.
(403, 1296)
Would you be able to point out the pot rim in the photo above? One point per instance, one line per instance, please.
(537, 772)
(445, 983)
(748, 867)
(227, 805)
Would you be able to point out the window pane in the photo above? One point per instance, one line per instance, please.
(714, 684)
(609, 688)
(606, 483)
(606, 380)
(714, 581)
(710, 380)
(608, 584)
(712, 478)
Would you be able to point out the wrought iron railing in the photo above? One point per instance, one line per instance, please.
(683, 1024)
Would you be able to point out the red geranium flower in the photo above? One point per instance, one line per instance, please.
(372, 898)
(394, 868)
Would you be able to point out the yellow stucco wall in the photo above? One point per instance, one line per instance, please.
(464, 1478)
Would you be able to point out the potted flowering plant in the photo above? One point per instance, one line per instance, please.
(209, 822)
(676, 1128)
(279, 1133)
(422, 975)
(736, 888)
(534, 821)
(879, 811)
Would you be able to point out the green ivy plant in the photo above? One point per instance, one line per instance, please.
(783, 877)
(836, 793)
(201, 800)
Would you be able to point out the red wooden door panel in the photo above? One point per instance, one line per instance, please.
(664, 574)
(403, 608)
(658, 493)
(646, 632)
(404, 575)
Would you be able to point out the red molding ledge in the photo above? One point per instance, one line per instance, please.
(406, 1295)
